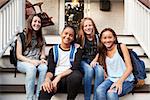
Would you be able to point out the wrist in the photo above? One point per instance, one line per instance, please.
(59, 76)
(120, 81)
(47, 79)
(42, 57)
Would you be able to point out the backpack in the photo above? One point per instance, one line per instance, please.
(138, 67)
(13, 57)
(97, 40)
(72, 53)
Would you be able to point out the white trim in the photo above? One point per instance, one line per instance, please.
(61, 15)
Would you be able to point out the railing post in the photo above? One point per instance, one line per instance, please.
(20, 12)
(12, 20)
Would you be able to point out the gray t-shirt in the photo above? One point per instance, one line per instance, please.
(33, 52)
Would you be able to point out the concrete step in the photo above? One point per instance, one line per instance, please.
(19, 92)
(7, 76)
(137, 48)
(61, 96)
(55, 39)
(127, 39)
(5, 63)
(20, 88)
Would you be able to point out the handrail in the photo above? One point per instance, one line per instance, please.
(143, 6)
(137, 22)
(3, 2)
(145, 3)
(12, 20)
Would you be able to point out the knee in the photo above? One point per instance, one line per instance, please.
(99, 70)
(76, 76)
(43, 67)
(112, 95)
(31, 71)
(100, 90)
(89, 72)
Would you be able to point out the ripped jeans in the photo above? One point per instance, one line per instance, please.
(90, 73)
(103, 94)
(31, 71)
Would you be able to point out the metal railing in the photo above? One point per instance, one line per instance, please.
(12, 20)
(137, 22)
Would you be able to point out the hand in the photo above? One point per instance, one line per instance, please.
(47, 86)
(55, 82)
(105, 75)
(116, 87)
(43, 61)
(93, 63)
(35, 62)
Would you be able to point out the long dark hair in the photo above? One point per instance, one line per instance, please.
(29, 31)
(110, 30)
(102, 48)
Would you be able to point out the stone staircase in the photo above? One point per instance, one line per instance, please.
(11, 87)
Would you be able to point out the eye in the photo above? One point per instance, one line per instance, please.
(110, 37)
(35, 20)
(65, 33)
(85, 25)
(39, 21)
(71, 35)
(90, 25)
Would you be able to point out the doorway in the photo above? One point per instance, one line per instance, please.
(74, 12)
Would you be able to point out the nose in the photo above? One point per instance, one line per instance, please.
(67, 36)
(107, 40)
(88, 27)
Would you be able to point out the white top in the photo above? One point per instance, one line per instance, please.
(63, 61)
(116, 67)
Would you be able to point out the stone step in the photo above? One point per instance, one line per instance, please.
(55, 39)
(5, 63)
(7, 76)
(136, 47)
(52, 39)
(19, 88)
(80, 96)
(127, 39)
(13, 91)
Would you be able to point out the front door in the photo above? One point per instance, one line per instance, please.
(74, 12)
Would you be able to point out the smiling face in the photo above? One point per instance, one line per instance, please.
(36, 23)
(88, 27)
(67, 35)
(108, 39)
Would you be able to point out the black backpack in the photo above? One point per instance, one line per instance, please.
(13, 57)
(138, 66)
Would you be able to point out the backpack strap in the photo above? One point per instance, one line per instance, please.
(55, 52)
(22, 37)
(72, 53)
(97, 39)
(120, 51)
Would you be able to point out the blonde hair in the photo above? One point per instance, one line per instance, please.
(81, 33)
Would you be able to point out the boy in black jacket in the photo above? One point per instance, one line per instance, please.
(63, 72)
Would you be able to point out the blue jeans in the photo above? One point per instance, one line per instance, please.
(103, 94)
(96, 72)
(31, 71)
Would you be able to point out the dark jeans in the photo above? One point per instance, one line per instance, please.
(71, 83)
